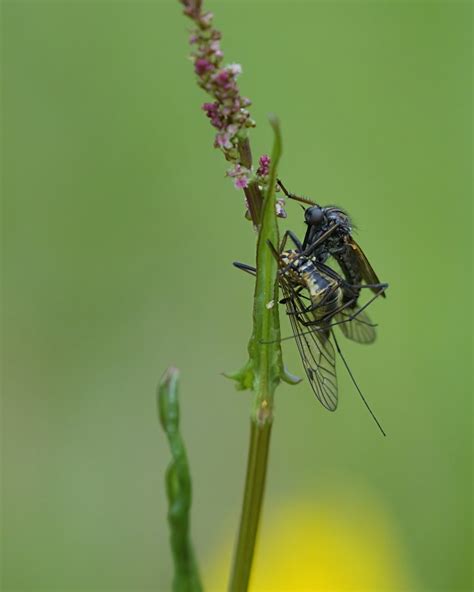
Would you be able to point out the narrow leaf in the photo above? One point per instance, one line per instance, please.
(178, 487)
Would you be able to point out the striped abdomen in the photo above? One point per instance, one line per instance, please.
(324, 291)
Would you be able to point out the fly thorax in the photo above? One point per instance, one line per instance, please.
(337, 216)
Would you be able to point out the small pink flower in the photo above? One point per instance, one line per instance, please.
(241, 176)
(280, 208)
(210, 108)
(201, 66)
(232, 130)
(212, 111)
(233, 172)
(215, 49)
(222, 78)
(241, 182)
(227, 109)
(223, 141)
(235, 69)
(206, 19)
(264, 167)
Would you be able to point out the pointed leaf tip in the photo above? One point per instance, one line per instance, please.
(168, 405)
(244, 377)
(290, 378)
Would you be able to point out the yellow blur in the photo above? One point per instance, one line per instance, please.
(334, 545)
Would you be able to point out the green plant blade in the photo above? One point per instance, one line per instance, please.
(178, 487)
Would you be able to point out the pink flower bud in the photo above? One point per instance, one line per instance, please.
(241, 182)
(201, 66)
(264, 168)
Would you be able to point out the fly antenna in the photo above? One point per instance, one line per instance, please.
(357, 387)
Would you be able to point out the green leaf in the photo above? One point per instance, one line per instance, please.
(178, 487)
(290, 378)
(243, 377)
(264, 369)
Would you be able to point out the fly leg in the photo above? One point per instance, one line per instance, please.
(326, 322)
(277, 254)
(244, 267)
(252, 270)
(293, 195)
(380, 287)
(364, 400)
(351, 317)
(296, 241)
(314, 306)
(296, 291)
(288, 234)
(306, 249)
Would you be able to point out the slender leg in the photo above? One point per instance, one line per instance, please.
(308, 250)
(364, 400)
(381, 287)
(340, 309)
(245, 267)
(320, 240)
(314, 306)
(289, 233)
(298, 292)
(274, 251)
(294, 196)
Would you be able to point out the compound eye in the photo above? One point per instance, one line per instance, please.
(314, 216)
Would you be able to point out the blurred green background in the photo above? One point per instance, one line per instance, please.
(119, 231)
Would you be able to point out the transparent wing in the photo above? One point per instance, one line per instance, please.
(359, 328)
(315, 348)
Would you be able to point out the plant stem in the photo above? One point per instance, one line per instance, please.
(253, 498)
(264, 372)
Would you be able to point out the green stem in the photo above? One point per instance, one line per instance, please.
(262, 373)
(252, 505)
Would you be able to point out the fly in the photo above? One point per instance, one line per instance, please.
(328, 234)
(316, 300)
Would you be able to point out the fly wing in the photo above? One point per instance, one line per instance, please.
(315, 348)
(356, 325)
(366, 270)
